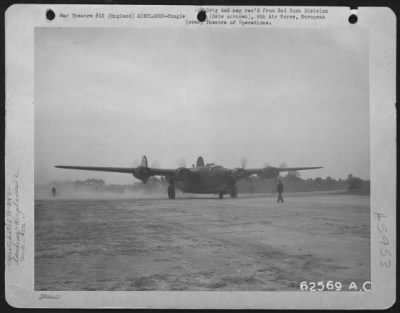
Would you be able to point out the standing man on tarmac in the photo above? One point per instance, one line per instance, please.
(279, 189)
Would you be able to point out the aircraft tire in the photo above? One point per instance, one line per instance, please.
(221, 195)
(171, 192)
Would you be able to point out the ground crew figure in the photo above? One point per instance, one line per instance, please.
(53, 191)
(279, 189)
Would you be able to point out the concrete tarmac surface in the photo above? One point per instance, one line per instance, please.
(201, 243)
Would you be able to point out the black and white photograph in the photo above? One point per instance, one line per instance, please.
(201, 158)
(255, 166)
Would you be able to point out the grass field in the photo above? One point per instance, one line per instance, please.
(201, 243)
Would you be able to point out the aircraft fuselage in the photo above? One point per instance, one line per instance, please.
(206, 180)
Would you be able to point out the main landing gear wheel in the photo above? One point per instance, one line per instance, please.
(221, 195)
(171, 192)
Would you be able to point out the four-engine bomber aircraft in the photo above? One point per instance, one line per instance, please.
(202, 178)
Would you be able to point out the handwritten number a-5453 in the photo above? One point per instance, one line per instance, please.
(384, 242)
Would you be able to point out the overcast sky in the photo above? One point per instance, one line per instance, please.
(105, 97)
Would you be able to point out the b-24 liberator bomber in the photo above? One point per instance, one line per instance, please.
(201, 178)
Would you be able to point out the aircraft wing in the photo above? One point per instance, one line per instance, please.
(162, 171)
(127, 170)
(271, 172)
(292, 169)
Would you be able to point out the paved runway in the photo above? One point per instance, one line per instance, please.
(201, 243)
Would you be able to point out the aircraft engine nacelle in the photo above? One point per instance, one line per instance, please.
(142, 173)
(269, 172)
(182, 173)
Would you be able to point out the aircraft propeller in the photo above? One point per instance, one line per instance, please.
(141, 170)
